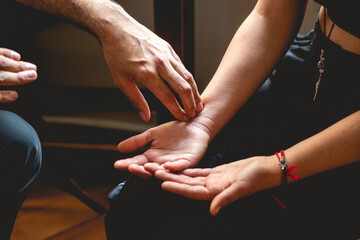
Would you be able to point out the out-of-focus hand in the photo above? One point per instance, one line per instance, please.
(135, 54)
(223, 184)
(174, 146)
(14, 72)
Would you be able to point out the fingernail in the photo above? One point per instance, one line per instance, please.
(199, 106)
(30, 66)
(30, 75)
(15, 55)
(185, 118)
(13, 95)
(142, 115)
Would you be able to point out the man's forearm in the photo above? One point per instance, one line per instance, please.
(133, 54)
(99, 17)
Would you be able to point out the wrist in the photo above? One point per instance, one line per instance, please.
(108, 21)
(205, 119)
(280, 170)
(206, 124)
(274, 173)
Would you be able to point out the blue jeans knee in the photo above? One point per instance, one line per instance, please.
(20, 154)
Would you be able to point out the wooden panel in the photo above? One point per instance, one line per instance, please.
(174, 22)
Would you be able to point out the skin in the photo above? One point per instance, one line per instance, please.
(133, 54)
(334, 147)
(14, 72)
(237, 77)
(174, 145)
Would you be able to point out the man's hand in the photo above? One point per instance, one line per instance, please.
(174, 146)
(135, 54)
(14, 72)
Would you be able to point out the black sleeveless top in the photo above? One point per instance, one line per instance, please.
(344, 13)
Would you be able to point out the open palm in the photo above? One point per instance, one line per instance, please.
(174, 146)
(223, 184)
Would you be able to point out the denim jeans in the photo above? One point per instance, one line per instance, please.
(20, 162)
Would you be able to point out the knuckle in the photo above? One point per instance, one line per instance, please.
(123, 83)
(22, 66)
(3, 76)
(188, 76)
(177, 112)
(3, 62)
(147, 73)
(160, 62)
(167, 45)
(20, 77)
(185, 89)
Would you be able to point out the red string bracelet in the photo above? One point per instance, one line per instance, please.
(286, 171)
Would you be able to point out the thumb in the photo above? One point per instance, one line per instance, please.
(234, 192)
(136, 142)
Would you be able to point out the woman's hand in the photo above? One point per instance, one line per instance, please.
(223, 184)
(174, 146)
(14, 72)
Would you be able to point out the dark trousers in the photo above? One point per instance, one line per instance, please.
(20, 162)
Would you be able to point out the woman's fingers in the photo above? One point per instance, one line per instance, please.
(139, 171)
(153, 167)
(124, 164)
(179, 178)
(195, 192)
(177, 165)
(196, 172)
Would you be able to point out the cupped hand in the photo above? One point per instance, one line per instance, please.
(138, 55)
(14, 72)
(223, 184)
(173, 146)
